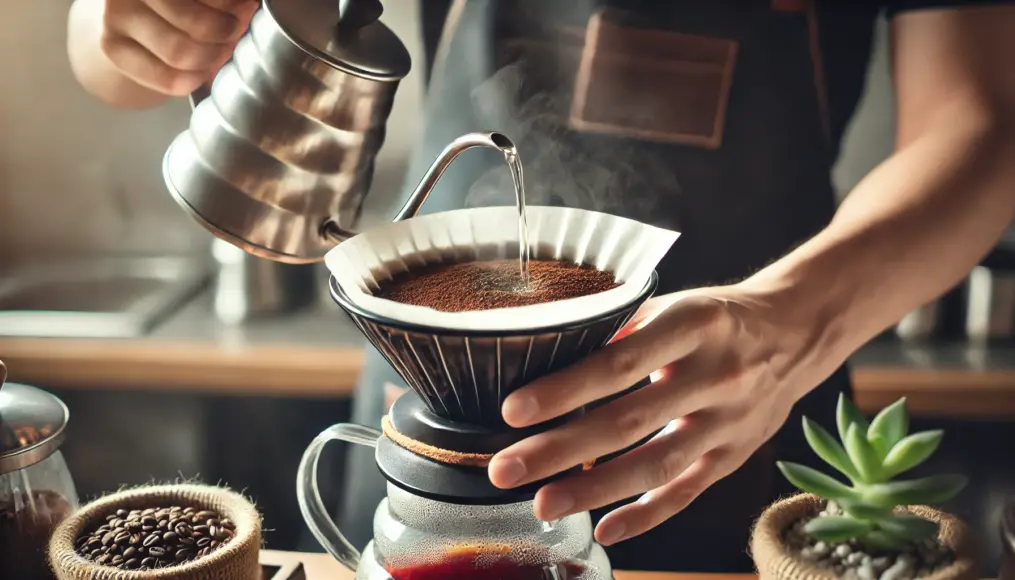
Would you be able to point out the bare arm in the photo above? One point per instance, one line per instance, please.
(922, 219)
(133, 54)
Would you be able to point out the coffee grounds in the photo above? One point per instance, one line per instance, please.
(489, 284)
(26, 524)
(155, 537)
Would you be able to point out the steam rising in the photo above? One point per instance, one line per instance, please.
(564, 167)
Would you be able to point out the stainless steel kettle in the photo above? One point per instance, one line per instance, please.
(279, 154)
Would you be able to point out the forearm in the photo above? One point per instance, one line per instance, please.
(93, 69)
(910, 231)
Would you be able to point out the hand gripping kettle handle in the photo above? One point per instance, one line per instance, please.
(309, 496)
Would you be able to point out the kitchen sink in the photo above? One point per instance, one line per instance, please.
(98, 298)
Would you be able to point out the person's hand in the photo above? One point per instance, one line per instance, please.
(726, 369)
(173, 46)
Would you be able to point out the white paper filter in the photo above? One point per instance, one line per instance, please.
(626, 247)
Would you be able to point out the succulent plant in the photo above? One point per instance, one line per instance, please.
(870, 455)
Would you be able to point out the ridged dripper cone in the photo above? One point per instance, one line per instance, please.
(463, 364)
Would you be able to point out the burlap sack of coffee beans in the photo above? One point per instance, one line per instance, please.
(236, 559)
(777, 561)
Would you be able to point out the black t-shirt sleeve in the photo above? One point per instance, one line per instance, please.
(894, 7)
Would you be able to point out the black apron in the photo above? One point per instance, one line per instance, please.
(703, 116)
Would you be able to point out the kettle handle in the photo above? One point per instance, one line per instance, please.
(309, 496)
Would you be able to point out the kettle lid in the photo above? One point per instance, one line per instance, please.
(347, 35)
(32, 424)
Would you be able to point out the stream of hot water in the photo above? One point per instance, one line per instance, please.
(515, 166)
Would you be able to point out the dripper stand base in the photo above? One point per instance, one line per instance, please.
(450, 482)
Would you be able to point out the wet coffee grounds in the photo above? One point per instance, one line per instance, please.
(489, 284)
(26, 524)
(155, 538)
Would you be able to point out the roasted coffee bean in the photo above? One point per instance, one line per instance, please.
(129, 540)
(183, 554)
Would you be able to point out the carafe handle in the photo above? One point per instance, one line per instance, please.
(309, 496)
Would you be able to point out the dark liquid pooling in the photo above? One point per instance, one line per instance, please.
(488, 284)
(469, 567)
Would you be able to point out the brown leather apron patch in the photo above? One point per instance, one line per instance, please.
(652, 85)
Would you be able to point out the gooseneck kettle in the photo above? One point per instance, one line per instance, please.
(279, 153)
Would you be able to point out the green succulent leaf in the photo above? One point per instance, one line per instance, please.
(864, 511)
(911, 451)
(827, 448)
(927, 490)
(866, 460)
(882, 540)
(847, 414)
(908, 527)
(836, 528)
(888, 427)
(815, 482)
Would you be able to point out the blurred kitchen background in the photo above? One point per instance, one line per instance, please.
(178, 389)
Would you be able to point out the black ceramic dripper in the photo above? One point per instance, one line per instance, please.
(458, 381)
(464, 376)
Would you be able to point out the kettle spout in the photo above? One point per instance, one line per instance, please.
(490, 139)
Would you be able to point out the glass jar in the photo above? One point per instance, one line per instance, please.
(421, 539)
(417, 538)
(36, 488)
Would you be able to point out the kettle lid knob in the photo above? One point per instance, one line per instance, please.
(346, 34)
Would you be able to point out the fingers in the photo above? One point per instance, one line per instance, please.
(613, 368)
(660, 504)
(147, 70)
(203, 21)
(609, 428)
(648, 467)
(172, 46)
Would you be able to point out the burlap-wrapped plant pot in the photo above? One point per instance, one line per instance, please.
(775, 560)
(236, 559)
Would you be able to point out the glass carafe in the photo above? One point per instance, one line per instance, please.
(416, 538)
(36, 489)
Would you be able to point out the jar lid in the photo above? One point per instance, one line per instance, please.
(347, 35)
(32, 424)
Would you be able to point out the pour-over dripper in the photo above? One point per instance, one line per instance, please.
(465, 375)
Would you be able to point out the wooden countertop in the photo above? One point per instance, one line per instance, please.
(319, 353)
(324, 567)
